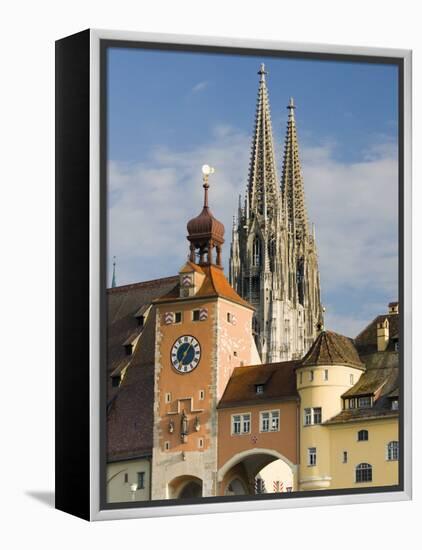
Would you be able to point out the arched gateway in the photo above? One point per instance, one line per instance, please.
(185, 487)
(256, 471)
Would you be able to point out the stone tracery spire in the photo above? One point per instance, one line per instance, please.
(292, 187)
(262, 185)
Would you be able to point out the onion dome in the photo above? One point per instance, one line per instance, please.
(205, 232)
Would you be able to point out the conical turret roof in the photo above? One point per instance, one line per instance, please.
(331, 348)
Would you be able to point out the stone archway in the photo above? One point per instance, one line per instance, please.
(236, 486)
(185, 487)
(257, 471)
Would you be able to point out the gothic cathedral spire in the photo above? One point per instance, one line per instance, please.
(262, 187)
(273, 259)
(292, 181)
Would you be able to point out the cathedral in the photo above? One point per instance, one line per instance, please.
(219, 389)
(273, 256)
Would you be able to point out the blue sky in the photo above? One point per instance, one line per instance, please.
(171, 112)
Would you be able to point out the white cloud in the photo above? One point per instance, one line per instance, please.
(200, 86)
(355, 209)
(353, 205)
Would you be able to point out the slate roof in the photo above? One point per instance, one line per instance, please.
(331, 348)
(130, 406)
(279, 382)
(366, 341)
(215, 285)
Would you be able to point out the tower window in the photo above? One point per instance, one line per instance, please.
(312, 416)
(141, 480)
(344, 457)
(115, 381)
(363, 472)
(393, 450)
(168, 398)
(195, 315)
(167, 445)
(126, 478)
(363, 435)
(395, 405)
(311, 376)
(178, 317)
(351, 380)
(326, 374)
(312, 456)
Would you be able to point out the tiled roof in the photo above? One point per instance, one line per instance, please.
(331, 348)
(355, 415)
(366, 341)
(130, 415)
(215, 284)
(380, 379)
(279, 382)
(130, 408)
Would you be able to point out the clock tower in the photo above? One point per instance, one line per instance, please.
(203, 331)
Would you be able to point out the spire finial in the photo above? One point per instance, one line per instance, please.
(291, 107)
(262, 72)
(113, 281)
(321, 321)
(206, 172)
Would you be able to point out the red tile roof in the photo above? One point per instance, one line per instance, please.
(215, 284)
(279, 382)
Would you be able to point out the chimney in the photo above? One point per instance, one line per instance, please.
(393, 308)
(383, 334)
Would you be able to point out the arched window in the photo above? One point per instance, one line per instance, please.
(300, 280)
(256, 252)
(393, 450)
(363, 472)
(363, 435)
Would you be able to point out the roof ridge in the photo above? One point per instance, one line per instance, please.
(141, 284)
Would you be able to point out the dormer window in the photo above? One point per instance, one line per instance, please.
(365, 402)
(259, 388)
(395, 405)
(128, 349)
(141, 320)
(115, 381)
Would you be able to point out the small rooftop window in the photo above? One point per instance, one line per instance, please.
(365, 402)
(128, 349)
(259, 388)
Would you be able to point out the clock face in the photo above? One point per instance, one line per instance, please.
(185, 354)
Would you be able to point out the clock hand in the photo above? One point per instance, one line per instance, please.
(184, 355)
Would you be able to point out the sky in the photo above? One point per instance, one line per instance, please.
(171, 112)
